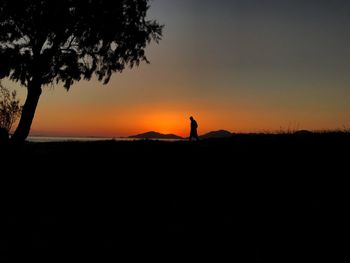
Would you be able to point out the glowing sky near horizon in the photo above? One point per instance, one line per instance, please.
(239, 65)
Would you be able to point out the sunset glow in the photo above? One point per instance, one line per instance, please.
(233, 65)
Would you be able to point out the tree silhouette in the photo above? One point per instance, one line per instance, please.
(10, 108)
(44, 42)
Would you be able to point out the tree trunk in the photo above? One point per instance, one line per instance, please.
(23, 128)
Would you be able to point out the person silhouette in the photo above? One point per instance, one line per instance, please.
(194, 126)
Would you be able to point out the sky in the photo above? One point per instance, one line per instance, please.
(239, 65)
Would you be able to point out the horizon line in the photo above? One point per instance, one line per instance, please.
(233, 133)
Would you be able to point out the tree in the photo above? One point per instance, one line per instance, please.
(10, 109)
(44, 42)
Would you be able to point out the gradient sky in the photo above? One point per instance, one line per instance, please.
(240, 65)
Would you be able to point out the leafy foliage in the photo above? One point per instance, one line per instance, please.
(10, 108)
(69, 40)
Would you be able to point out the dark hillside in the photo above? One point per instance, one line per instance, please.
(252, 198)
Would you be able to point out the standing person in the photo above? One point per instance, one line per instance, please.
(194, 126)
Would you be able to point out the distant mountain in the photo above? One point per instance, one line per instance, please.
(216, 134)
(155, 135)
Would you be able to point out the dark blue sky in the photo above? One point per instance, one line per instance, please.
(257, 33)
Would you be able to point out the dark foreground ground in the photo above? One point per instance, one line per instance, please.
(252, 198)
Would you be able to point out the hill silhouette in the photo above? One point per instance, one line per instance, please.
(155, 135)
(216, 134)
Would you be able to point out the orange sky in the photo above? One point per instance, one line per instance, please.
(232, 65)
(90, 109)
(74, 113)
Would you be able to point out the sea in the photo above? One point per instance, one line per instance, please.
(84, 139)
